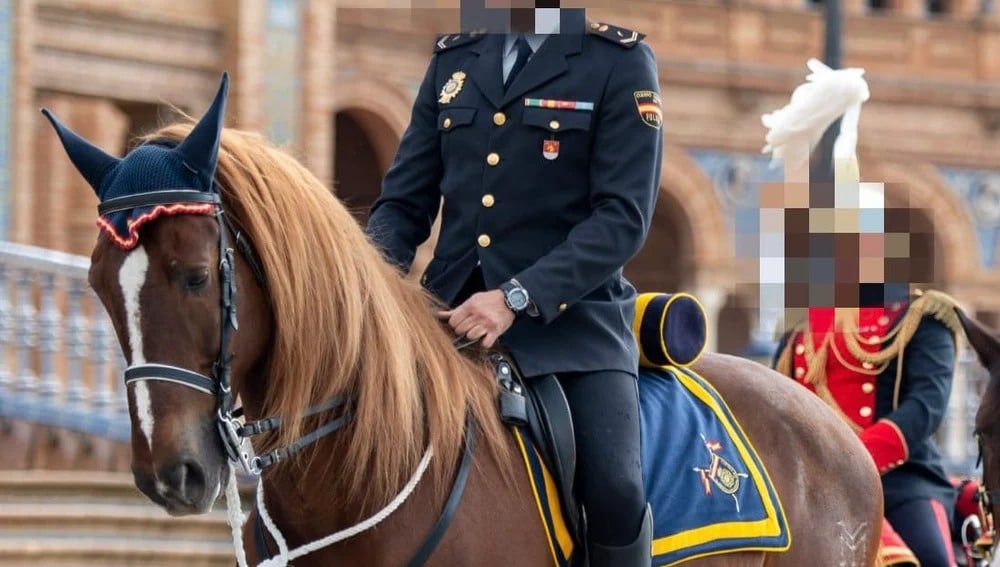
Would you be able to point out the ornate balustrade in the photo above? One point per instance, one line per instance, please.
(60, 364)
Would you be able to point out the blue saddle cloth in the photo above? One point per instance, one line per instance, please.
(709, 491)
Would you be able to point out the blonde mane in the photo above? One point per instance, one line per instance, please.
(346, 322)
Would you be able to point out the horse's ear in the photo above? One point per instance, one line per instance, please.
(983, 341)
(92, 162)
(200, 149)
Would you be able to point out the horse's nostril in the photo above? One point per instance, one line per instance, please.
(186, 479)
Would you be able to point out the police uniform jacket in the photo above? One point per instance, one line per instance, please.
(551, 182)
(894, 394)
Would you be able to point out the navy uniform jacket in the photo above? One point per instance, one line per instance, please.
(563, 227)
(898, 414)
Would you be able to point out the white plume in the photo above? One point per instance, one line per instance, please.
(795, 130)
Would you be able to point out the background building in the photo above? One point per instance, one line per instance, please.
(336, 80)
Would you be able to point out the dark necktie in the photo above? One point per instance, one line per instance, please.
(523, 52)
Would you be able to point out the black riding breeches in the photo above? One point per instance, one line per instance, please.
(924, 527)
(605, 410)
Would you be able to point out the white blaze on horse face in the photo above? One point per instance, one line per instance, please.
(132, 278)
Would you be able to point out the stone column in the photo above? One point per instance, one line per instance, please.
(316, 118)
(243, 26)
(6, 109)
(965, 9)
(23, 118)
(912, 8)
(854, 6)
(712, 299)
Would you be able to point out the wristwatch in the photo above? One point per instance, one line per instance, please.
(515, 296)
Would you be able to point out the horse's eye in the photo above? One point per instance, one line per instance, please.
(196, 280)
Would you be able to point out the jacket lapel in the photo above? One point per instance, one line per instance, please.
(547, 64)
(487, 71)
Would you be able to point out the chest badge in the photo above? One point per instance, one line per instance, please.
(550, 149)
(451, 89)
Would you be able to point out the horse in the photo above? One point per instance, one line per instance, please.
(986, 344)
(368, 420)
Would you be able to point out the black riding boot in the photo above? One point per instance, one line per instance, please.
(639, 553)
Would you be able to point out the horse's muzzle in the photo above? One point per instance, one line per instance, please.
(183, 488)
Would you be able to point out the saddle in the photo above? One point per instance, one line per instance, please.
(540, 406)
(670, 330)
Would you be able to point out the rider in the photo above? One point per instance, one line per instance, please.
(878, 351)
(543, 136)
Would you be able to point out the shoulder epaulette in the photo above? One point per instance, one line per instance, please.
(448, 41)
(614, 34)
(936, 304)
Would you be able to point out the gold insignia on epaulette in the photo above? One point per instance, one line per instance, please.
(451, 89)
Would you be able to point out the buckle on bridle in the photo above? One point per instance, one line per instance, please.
(236, 444)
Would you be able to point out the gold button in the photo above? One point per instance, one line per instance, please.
(883, 320)
(874, 339)
(447, 122)
(484, 240)
(899, 462)
(493, 158)
(867, 365)
(799, 349)
(867, 387)
(488, 200)
(865, 411)
(499, 118)
(562, 307)
(554, 124)
(800, 372)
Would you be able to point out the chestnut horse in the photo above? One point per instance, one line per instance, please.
(986, 344)
(372, 402)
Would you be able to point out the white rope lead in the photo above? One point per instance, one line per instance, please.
(236, 519)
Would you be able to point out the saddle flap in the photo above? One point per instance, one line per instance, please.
(549, 423)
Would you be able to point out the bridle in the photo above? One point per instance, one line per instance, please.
(233, 433)
(986, 545)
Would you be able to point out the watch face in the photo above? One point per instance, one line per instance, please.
(518, 299)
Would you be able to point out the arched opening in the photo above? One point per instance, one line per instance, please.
(364, 145)
(665, 263)
(735, 324)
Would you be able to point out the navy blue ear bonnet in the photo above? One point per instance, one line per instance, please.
(181, 178)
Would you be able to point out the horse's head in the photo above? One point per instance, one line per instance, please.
(986, 344)
(166, 276)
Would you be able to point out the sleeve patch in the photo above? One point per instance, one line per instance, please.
(648, 105)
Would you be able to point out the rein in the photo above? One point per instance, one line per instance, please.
(986, 545)
(235, 435)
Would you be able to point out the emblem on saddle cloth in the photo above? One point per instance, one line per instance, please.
(720, 473)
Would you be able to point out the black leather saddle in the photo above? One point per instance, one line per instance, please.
(539, 405)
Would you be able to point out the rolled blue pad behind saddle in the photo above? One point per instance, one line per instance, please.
(671, 329)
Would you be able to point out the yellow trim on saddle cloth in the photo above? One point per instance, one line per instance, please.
(554, 524)
(768, 527)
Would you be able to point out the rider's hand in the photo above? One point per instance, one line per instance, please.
(484, 315)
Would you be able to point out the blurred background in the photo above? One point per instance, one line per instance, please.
(335, 81)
